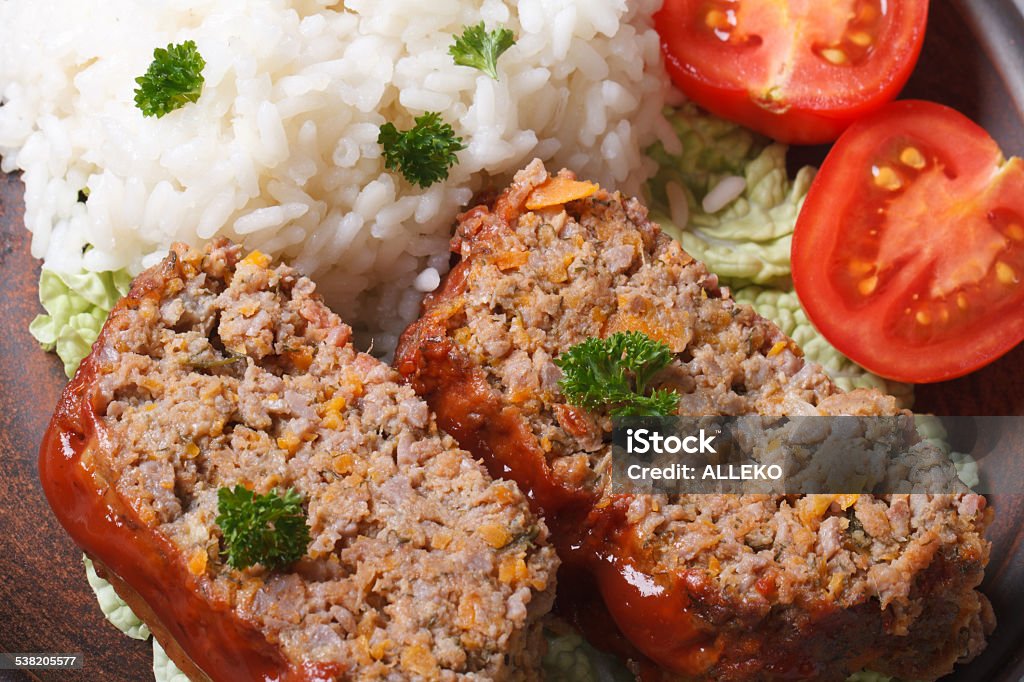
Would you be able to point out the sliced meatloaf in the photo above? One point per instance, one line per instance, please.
(218, 370)
(709, 587)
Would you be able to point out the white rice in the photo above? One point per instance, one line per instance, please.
(678, 205)
(428, 280)
(280, 151)
(724, 193)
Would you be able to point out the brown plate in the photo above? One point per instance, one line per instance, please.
(973, 59)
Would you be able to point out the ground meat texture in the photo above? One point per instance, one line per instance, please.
(750, 587)
(219, 370)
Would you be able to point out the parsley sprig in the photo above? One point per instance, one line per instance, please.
(262, 529)
(424, 153)
(173, 79)
(480, 49)
(614, 372)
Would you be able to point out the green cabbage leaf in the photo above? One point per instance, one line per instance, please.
(113, 607)
(748, 240)
(570, 658)
(164, 669)
(124, 619)
(76, 306)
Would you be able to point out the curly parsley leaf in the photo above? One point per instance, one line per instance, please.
(480, 49)
(173, 79)
(424, 153)
(262, 529)
(660, 403)
(615, 372)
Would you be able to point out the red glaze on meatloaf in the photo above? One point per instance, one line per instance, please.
(218, 370)
(703, 587)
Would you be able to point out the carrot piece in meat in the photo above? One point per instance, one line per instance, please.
(559, 190)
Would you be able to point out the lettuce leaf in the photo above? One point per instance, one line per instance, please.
(868, 676)
(77, 305)
(113, 607)
(570, 658)
(124, 619)
(748, 240)
(164, 669)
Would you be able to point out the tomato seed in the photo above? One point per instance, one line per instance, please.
(716, 19)
(867, 13)
(1005, 274)
(860, 39)
(912, 157)
(861, 267)
(834, 55)
(886, 178)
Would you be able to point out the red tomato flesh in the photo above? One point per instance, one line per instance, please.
(908, 253)
(799, 71)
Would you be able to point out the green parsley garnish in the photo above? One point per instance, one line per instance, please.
(173, 79)
(614, 372)
(262, 529)
(424, 153)
(480, 49)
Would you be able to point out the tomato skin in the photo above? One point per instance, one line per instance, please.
(812, 101)
(908, 253)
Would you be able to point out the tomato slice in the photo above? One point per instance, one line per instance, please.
(799, 71)
(908, 253)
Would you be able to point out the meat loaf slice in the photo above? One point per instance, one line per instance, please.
(710, 587)
(218, 370)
